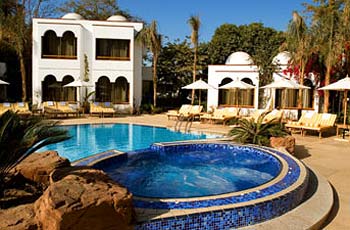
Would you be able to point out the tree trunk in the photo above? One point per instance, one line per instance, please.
(194, 72)
(155, 59)
(23, 76)
(326, 92)
(301, 82)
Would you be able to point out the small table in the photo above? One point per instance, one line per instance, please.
(343, 127)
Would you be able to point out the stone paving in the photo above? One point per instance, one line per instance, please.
(330, 157)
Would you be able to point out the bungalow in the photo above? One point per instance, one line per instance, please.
(105, 54)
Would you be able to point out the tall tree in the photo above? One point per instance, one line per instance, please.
(93, 9)
(15, 29)
(299, 45)
(325, 27)
(195, 24)
(153, 41)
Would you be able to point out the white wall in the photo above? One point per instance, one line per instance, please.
(86, 33)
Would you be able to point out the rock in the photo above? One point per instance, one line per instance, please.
(287, 142)
(18, 218)
(85, 199)
(38, 166)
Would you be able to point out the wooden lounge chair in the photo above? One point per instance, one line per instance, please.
(107, 108)
(321, 123)
(4, 107)
(254, 116)
(305, 119)
(64, 108)
(96, 108)
(274, 116)
(21, 108)
(225, 115)
(50, 109)
(185, 109)
(194, 112)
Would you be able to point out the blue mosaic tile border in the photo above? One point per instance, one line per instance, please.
(223, 219)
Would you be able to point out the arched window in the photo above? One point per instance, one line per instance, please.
(246, 96)
(308, 94)
(51, 89)
(68, 44)
(120, 91)
(59, 47)
(50, 45)
(225, 95)
(103, 89)
(68, 93)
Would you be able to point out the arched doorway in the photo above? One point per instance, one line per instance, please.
(225, 95)
(308, 94)
(68, 93)
(103, 89)
(51, 89)
(120, 91)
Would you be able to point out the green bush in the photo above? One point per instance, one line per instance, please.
(250, 132)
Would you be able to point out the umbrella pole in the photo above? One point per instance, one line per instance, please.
(345, 104)
(200, 92)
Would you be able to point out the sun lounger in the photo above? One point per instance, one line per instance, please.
(64, 108)
(4, 107)
(185, 109)
(305, 119)
(107, 108)
(275, 116)
(194, 112)
(50, 109)
(321, 123)
(254, 116)
(21, 108)
(224, 115)
(96, 108)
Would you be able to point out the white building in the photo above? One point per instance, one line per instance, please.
(238, 66)
(64, 48)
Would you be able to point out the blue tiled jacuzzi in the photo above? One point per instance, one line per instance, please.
(233, 209)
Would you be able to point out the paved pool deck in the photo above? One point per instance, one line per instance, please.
(330, 157)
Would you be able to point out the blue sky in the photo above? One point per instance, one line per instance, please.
(172, 16)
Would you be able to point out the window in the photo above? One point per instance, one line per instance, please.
(120, 91)
(64, 47)
(112, 49)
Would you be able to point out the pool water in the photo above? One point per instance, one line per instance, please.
(192, 173)
(88, 140)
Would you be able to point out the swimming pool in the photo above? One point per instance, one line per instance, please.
(90, 139)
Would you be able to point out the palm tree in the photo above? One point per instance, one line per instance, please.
(153, 41)
(325, 28)
(298, 42)
(21, 137)
(195, 24)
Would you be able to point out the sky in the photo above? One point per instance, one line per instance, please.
(172, 16)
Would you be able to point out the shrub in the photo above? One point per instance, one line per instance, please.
(21, 137)
(259, 133)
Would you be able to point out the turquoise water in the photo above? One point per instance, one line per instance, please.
(88, 140)
(192, 173)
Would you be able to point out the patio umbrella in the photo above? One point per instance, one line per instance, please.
(237, 84)
(4, 83)
(341, 85)
(200, 84)
(284, 84)
(78, 84)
